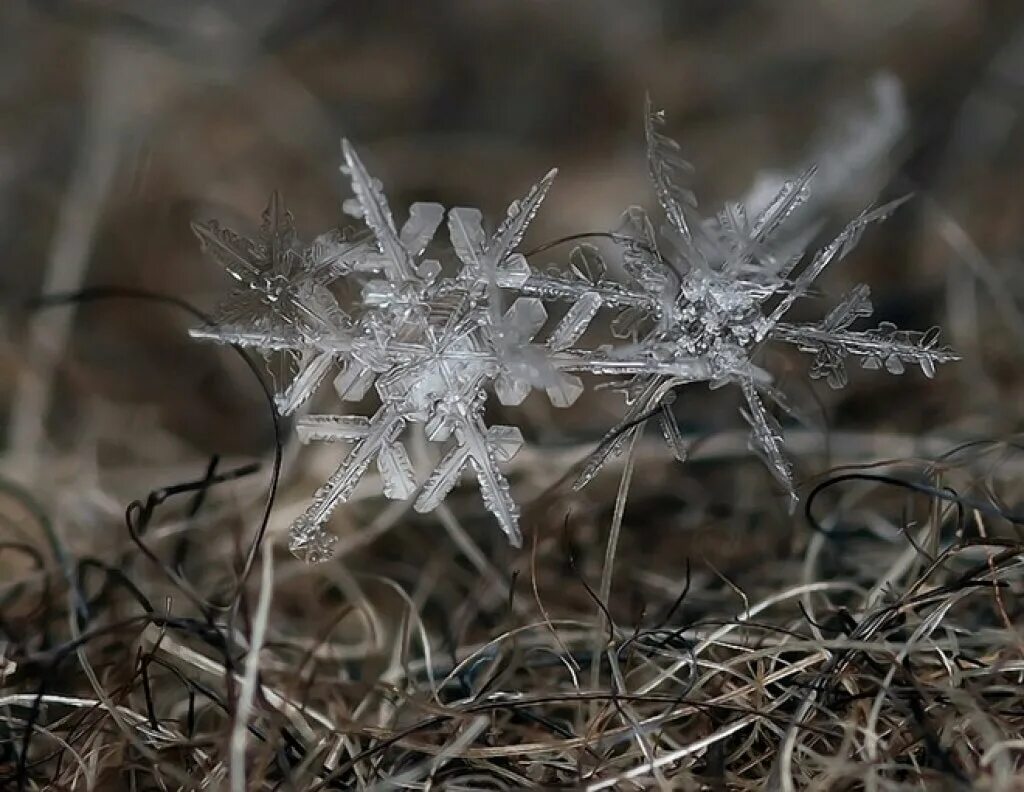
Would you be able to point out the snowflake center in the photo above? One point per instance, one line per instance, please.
(276, 287)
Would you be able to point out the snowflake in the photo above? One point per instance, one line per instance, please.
(283, 301)
(707, 294)
(700, 299)
(718, 290)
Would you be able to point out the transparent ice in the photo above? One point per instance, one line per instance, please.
(700, 298)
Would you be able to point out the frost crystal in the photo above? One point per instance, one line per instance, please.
(701, 298)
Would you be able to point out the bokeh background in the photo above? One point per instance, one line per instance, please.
(123, 120)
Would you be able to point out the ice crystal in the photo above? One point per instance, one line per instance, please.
(720, 289)
(700, 298)
(282, 302)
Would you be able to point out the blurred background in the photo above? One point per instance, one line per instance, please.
(123, 120)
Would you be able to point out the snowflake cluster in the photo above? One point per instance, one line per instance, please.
(695, 300)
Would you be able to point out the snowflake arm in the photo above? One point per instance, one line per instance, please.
(482, 449)
(235, 253)
(615, 440)
(375, 437)
(518, 217)
(665, 163)
(836, 250)
(313, 367)
(670, 429)
(766, 438)
(257, 264)
(754, 257)
(882, 347)
(376, 213)
(492, 262)
(575, 322)
(395, 252)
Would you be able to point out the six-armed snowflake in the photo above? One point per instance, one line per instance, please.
(697, 300)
